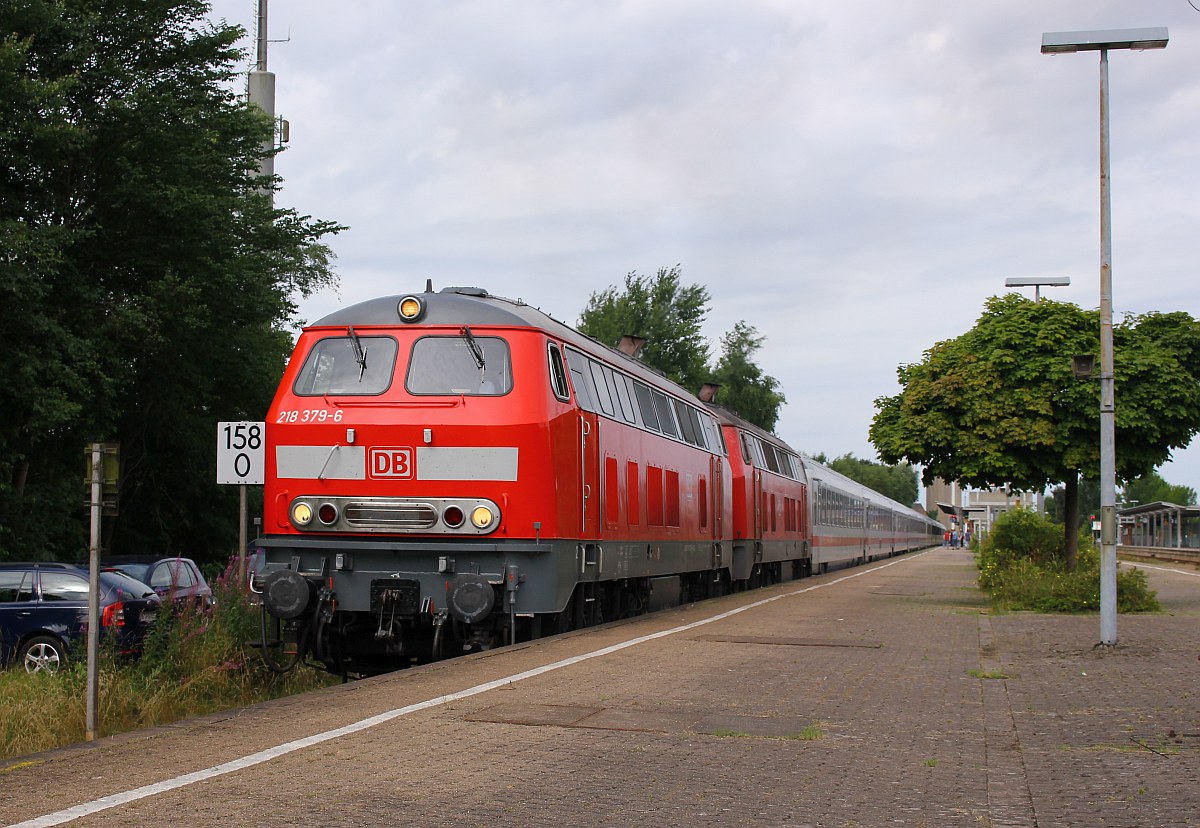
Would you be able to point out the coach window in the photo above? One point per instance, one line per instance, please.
(347, 366)
(465, 364)
(558, 374)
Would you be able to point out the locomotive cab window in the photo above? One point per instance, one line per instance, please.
(464, 364)
(558, 374)
(347, 366)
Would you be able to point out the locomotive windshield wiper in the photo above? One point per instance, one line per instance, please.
(360, 353)
(476, 351)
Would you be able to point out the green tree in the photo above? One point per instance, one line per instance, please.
(745, 388)
(1151, 488)
(669, 315)
(147, 283)
(999, 404)
(663, 311)
(899, 482)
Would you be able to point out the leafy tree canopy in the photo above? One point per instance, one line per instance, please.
(147, 283)
(1000, 404)
(1151, 488)
(898, 482)
(666, 313)
(669, 315)
(745, 388)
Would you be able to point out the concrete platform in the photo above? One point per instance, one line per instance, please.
(884, 695)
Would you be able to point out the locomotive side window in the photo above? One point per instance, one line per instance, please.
(694, 418)
(756, 451)
(646, 403)
(602, 389)
(621, 386)
(666, 421)
(772, 460)
(689, 424)
(583, 385)
(790, 466)
(602, 393)
(716, 439)
(465, 364)
(685, 426)
(558, 374)
(347, 366)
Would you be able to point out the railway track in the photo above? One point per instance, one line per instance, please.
(1158, 553)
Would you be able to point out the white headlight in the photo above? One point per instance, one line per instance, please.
(482, 517)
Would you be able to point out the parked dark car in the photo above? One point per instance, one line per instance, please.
(177, 579)
(44, 609)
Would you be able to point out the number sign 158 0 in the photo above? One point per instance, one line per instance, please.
(240, 453)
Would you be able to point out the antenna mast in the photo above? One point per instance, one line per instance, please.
(260, 89)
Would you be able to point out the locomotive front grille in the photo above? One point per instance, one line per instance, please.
(390, 515)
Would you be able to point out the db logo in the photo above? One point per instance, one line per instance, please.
(392, 462)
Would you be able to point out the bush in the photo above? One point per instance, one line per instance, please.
(1021, 564)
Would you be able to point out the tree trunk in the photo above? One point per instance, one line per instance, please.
(1071, 519)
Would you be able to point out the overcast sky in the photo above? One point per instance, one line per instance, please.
(852, 178)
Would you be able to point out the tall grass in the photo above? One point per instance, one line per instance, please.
(194, 662)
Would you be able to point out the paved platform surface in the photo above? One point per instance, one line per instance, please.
(887, 695)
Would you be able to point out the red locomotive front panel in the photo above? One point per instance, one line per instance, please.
(408, 432)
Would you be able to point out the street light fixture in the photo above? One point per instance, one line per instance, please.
(1037, 283)
(1103, 41)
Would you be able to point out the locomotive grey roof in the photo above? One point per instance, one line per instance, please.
(450, 306)
(457, 306)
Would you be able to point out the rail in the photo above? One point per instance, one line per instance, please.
(1160, 553)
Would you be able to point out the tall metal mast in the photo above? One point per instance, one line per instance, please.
(261, 88)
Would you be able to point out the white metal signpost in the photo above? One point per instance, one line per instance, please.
(241, 461)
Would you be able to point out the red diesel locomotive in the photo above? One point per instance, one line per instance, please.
(451, 471)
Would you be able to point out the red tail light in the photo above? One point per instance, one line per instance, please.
(114, 615)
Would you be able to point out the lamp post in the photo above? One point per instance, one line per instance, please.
(1103, 41)
(1037, 283)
